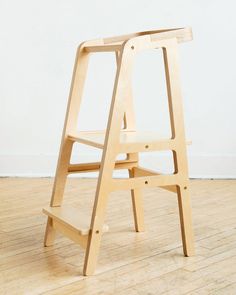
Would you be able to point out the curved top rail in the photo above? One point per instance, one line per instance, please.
(116, 43)
(182, 35)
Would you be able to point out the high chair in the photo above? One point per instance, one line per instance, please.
(85, 230)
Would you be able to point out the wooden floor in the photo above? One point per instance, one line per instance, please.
(130, 263)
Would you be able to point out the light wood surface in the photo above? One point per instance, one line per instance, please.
(116, 43)
(150, 262)
(69, 216)
(117, 140)
(129, 141)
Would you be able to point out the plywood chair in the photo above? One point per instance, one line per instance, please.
(87, 230)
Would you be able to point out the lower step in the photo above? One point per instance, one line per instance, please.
(70, 221)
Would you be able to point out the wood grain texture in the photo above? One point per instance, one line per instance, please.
(129, 263)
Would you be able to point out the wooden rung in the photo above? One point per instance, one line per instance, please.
(145, 181)
(103, 47)
(71, 218)
(70, 233)
(147, 146)
(141, 171)
(130, 141)
(95, 166)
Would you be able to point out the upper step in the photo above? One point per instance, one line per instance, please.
(130, 141)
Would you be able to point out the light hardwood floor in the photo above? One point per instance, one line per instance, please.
(129, 263)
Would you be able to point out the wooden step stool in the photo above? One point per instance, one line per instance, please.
(88, 231)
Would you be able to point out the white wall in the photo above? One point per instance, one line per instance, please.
(38, 40)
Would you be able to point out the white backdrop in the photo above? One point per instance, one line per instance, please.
(38, 40)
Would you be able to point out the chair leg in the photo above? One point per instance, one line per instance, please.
(171, 63)
(94, 238)
(50, 233)
(185, 220)
(137, 203)
(92, 252)
(58, 188)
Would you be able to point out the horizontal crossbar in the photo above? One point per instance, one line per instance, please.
(103, 48)
(70, 233)
(144, 181)
(95, 166)
(159, 145)
(140, 171)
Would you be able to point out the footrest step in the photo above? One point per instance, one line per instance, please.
(71, 218)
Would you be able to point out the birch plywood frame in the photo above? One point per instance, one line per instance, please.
(116, 140)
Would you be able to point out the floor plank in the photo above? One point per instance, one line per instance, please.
(129, 262)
